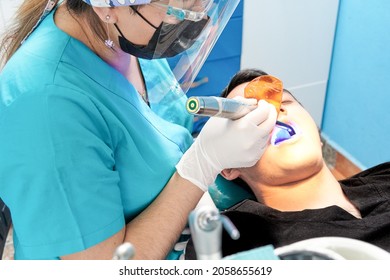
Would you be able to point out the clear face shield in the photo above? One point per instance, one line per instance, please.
(186, 37)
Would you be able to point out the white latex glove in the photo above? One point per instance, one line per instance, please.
(224, 143)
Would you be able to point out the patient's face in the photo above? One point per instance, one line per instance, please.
(288, 160)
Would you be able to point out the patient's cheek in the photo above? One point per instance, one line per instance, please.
(268, 88)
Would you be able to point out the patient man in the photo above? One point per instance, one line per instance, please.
(297, 195)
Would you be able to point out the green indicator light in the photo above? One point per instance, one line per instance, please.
(192, 105)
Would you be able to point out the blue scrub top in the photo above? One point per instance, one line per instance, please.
(81, 153)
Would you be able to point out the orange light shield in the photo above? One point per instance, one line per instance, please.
(268, 88)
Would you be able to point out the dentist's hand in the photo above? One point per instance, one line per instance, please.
(224, 143)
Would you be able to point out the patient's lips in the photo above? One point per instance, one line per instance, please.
(266, 87)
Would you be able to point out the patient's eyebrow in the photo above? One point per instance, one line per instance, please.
(289, 92)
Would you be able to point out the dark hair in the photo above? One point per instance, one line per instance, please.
(242, 76)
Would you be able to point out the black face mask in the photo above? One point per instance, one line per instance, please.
(171, 39)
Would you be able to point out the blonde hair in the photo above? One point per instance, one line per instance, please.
(27, 16)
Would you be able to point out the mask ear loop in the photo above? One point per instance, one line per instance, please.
(141, 16)
(148, 22)
(108, 42)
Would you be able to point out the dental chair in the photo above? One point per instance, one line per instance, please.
(225, 193)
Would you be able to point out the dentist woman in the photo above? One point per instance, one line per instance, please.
(95, 145)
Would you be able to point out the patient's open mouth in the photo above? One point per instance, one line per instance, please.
(282, 133)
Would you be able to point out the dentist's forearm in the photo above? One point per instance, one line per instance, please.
(154, 232)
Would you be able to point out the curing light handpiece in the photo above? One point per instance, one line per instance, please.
(213, 106)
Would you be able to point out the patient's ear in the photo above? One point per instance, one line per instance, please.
(230, 174)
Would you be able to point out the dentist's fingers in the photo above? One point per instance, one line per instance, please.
(270, 121)
(264, 113)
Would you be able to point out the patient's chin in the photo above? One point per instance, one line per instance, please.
(291, 172)
(304, 171)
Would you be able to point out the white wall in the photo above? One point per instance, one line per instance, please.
(7, 9)
(292, 40)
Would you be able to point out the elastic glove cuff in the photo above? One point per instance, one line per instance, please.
(196, 168)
